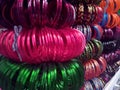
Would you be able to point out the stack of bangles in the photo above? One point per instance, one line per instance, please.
(93, 49)
(46, 76)
(36, 13)
(46, 44)
(108, 34)
(94, 68)
(117, 33)
(112, 68)
(112, 57)
(110, 20)
(113, 6)
(95, 31)
(88, 14)
(94, 84)
(110, 46)
(75, 2)
(86, 30)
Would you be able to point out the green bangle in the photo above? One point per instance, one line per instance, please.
(99, 47)
(46, 76)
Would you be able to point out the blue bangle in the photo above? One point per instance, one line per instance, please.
(98, 36)
(104, 20)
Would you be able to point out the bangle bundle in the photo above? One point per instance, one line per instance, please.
(97, 31)
(36, 46)
(112, 57)
(112, 68)
(99, 16)
(93, 49)
(110, 46)
(87, 14)
(113, 6)
(86, 30)
(47, 76)
(94, 31)
(110, 20)
(94, 68)
(108, 34)
(94, 84)
(36, 13)
(76, 2)
(117, 33)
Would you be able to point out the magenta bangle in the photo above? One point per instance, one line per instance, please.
(99, 13)
(44, 45)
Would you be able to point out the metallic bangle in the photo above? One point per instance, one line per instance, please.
(40, 74)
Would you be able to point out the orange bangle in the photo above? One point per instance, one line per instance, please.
(117, 19)
(109, 19)
(111, 23)
(111, 7)
(117, 2)
(102, 4)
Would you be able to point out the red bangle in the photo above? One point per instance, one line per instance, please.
(7, 44)
(97, 67)
(1, 41)
(93, 69)
(103, 63)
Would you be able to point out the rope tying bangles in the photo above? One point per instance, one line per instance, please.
(47, 76)
(15, 47)
(46, 45)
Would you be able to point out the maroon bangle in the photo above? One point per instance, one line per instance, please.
(44, 12)
(5, 13)
(54, 17)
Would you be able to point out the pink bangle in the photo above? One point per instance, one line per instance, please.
(44, 45)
